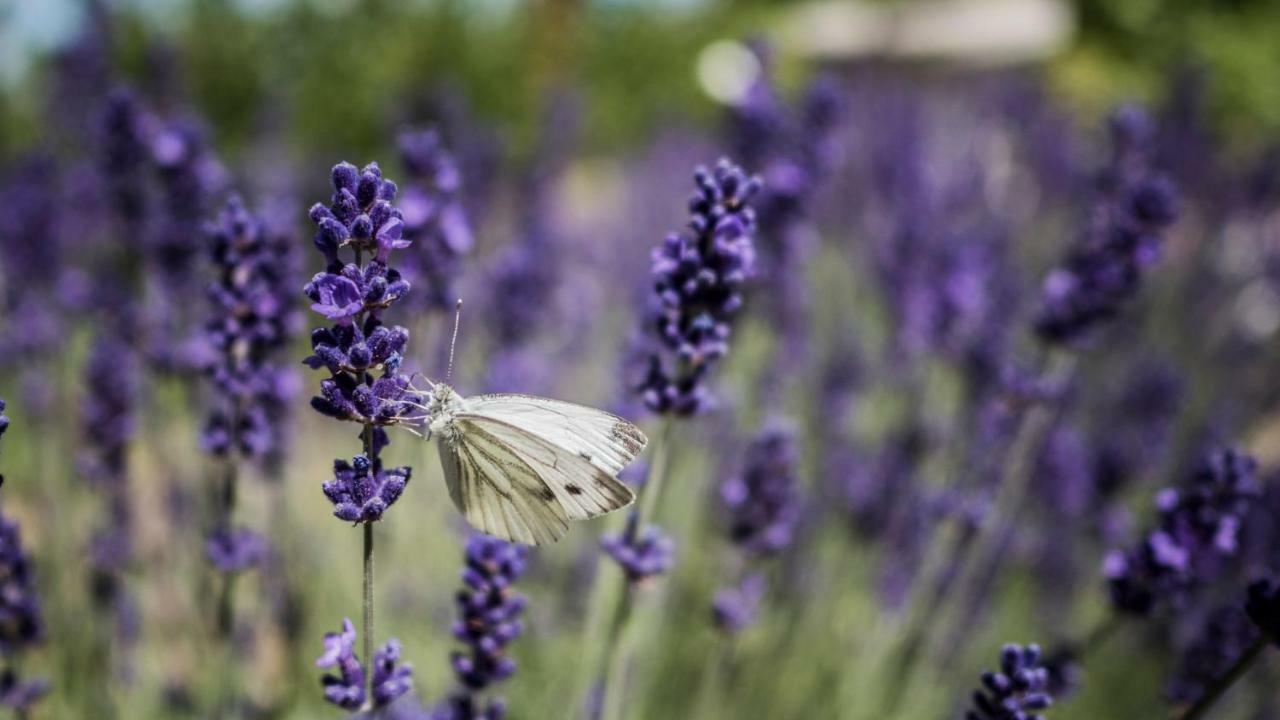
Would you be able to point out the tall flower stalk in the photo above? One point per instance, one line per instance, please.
(248, 325)
(21, 617)
(365, 386)
(698, 277)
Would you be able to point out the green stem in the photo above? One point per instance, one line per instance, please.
(1099, 635)
(368, 577)
(1226, 680)
(1012, 494)
(618, 651)
(617, 662)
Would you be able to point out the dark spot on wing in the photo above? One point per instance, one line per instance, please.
(547, 494)
(573, 489)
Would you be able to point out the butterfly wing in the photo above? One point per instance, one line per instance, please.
(604, 439)
(582, 489)
(497, 491)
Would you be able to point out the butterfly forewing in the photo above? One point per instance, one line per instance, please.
(498, 492)
(581, 488)
(604, 439)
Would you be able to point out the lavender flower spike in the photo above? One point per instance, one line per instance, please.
(762, 499)
(1197, 527)
(698, 277)
(488, 621)
(21, 617)
(1018, 691)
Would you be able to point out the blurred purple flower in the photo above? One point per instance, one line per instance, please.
(21, 616)
(1123, 239)
(698, 277)
(434, 218)
(488, 621)
(735, 608)
(1196, 529)
(250, 322)
(235, 550)
(762, 500)
(640, 554)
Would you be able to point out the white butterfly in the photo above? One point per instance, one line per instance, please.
(520, 467)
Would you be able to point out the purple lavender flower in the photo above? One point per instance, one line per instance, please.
(346, 687)
(31, 243)
(698, 276)
(361, 353)
(735, 608)
(362, 490)
(235, 550)
(250, 323)
(762, 500)
(489, 613)
(124, 130)
(1017, 691)
(1122, 240)
(641, 555)
(434, 218)
(1197, 528)
(1263, 607)
(189, 175)
(21, 617)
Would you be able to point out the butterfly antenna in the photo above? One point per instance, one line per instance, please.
(457, 320)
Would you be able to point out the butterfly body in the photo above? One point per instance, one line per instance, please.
(520, 467)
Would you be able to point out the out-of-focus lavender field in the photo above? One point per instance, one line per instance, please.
(957, 360)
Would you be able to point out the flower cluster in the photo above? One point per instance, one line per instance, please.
(434, 218)
(235, 550)
(762, 500)
(640, 554)
(346, 686)
(362, 490)
(1017, 691)
(698, 277)
(1196, 529)
(1122, 240)
(189, 175)
(124, 129)
(251, 320)
(30, 241)
(361, 353)
(736, 607)
(21, 618)
(488, 621)
(1263, 607)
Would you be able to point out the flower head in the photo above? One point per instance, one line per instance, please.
(1197, 527)
(698, 277)
(762, 499)
(488, 621)
(434, 218)
(1122, 240)
(1017, 691)
(235, 550)
(362, 490)
(736, 607)
(641, 554)
(345, 687)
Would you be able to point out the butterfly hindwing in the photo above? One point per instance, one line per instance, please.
(498, 492)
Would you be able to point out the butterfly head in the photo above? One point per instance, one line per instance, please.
(443, 403)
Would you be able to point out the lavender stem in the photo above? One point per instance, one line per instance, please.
(1220, 686)
(368, 573)
(618, 653)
